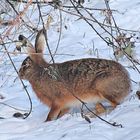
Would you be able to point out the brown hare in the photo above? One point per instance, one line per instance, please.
(61, 85)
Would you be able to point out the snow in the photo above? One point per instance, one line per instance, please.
(77, 41)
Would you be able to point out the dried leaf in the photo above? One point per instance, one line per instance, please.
(128, 49)
(87, 119)
(18, 115)
(49, 20)
(138, 94)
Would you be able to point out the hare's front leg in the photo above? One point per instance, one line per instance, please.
(54, 112)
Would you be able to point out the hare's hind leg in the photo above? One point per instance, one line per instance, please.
(111, 100)
(100, 109)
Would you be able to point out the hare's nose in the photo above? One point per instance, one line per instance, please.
(20, 74)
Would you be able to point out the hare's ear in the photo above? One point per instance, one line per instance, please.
(36, 54)
(27, 45)
(40, 42)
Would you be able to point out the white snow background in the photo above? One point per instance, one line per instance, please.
(76, 42)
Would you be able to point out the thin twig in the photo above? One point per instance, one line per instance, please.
(132, 60)
(20, 81)
(105, 25)
(113, 124)
(16, 53)
(60, 32)
(12, 107)
(45, 31)
(19, 16)
(33, 2)
(88, 22)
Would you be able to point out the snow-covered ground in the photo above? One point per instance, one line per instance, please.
(77, 41)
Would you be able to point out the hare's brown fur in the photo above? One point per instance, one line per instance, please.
(90, 80)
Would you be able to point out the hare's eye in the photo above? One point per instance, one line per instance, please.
(25, 66)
